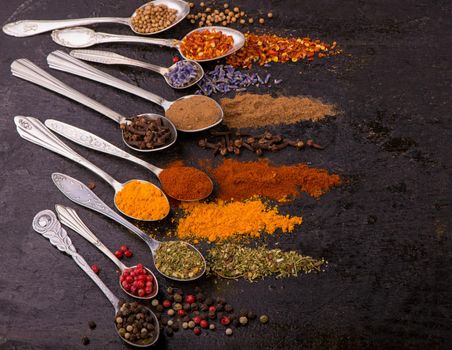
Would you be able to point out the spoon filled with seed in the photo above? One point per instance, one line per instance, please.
(176, 260)
(137, 199)
(201, 44)
(192, 113)
(182, 183)
(147, 132)
(140, 284)
(180, 75)
(127, 315)
(151, 18)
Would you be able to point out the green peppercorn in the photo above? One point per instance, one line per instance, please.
(263, 319)
(228, 331)
(154, 302)
(243, 320)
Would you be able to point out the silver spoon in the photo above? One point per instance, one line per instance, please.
(89, 140)
(31, 129)
(47, 224)
(24, 69)
(62, 61)
(107, 57)
(81, 37)
(69, 218)
(77, 192)
(33, 27)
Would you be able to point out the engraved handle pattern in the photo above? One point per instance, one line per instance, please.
(82, 195)
(31, 129)
(89, 140)
(25, 69)
(69, 218)
(107, 57)
(46, 224)
(62, 61)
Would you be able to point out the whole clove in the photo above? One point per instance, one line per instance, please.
(146, 133)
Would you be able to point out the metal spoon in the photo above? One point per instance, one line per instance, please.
(25, 69)
(31, 129)
(81, 37)
(89, 140)
(33, 27)
(69, 218)
(46, 224)
(107, 57)
(66, 63)
(77, 192)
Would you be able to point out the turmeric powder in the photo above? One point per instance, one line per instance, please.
(222, 220)
(142, 201)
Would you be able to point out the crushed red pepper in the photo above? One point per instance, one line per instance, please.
(206, 44)
(263, 49)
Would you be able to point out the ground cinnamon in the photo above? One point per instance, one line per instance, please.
(240, 180)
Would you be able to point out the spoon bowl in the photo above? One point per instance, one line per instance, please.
(107, 57)
(32, 27)
(81, 37)
(79, 193)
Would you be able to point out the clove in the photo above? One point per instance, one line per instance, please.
(312, 144)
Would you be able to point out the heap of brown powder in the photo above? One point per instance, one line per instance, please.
(252, 110)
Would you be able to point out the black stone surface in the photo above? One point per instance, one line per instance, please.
(385, 232)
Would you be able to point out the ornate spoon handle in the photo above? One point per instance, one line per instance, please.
(89, 140)
(33, 27)
(31, 129)
(47, 224)
(62, 61)
(25, 69)
(82, 195)
(69, 217)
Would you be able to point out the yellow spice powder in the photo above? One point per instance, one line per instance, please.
(223, 220)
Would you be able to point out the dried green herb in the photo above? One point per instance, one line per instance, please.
(179, 260)
(232, 260)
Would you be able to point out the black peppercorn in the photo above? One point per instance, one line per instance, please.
(209, 301)
(194, 306)
(228, 308)
(85, 340)
(164, 321)
(200, 297)
(251, 315)
(169, 331)
(219, 307)
(243, 312)
(92, 324)
(186, 307)
(204, 307)
(159, 308)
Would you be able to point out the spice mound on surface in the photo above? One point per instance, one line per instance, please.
(194, 112)
(206, 44)
(232, 260)
(153, 18)
(267, 48)
(136, 324)
(142, 201)
(178, 260)
(219, 221)
(240, 180)
(252, 110)
(186, 183)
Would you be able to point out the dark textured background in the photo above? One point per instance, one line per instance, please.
(386, 232)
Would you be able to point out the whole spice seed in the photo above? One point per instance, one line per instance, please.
(241, 180)
(185, 183)
(138, 281)
(153, 18)
(178, 260)
(194, 112)
(232, 260)
(263, 49)
(146, 133)
(221, 15)
(142, 201)
(206, 44)
(135, 323)
(224, 79)
(182, 75)
(219, 221)
(252, 110)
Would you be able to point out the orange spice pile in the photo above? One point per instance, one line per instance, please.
(206, 44)
(267, 48)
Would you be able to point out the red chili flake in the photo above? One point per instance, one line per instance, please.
(263, 49)
(206, 44)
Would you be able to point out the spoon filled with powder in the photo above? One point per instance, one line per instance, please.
(190, 113)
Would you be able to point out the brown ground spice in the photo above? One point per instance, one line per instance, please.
(241, 180)
(252, 110)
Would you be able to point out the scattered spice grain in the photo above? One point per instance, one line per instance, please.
(206, 44)
(241, 180)
(252, 110)
(195, 112)
(227, 220)
(142, 201)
